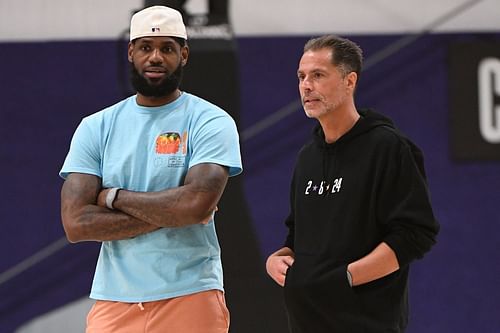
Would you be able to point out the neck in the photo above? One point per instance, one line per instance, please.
(336, 125)
(157, 101)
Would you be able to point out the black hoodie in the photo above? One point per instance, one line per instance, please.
(346, 198)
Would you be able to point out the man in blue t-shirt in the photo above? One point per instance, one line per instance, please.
(144, 177)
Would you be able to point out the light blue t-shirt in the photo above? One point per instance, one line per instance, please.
(151, 149)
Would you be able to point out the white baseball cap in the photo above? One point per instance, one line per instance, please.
(157, 21)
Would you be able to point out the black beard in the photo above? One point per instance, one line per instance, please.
(161, 89)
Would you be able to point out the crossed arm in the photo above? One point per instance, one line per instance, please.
(86, 218)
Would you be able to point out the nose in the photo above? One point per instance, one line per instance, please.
(155, 57)
(305, 84)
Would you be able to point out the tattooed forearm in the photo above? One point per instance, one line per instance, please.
(83, 220)
(191, 203)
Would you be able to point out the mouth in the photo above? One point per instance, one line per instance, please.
(310, 100)
(155, 72)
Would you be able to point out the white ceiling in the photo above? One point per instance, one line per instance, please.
(105, 19)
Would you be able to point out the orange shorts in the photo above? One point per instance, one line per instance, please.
(203, 312)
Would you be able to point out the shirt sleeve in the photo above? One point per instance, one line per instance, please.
(217, 141)
(84, 152)
(406, 208)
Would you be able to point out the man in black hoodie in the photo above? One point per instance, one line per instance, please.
(359, 207)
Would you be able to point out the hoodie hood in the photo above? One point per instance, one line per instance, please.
(369, 120)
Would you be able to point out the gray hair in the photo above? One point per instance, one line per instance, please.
(346, 54)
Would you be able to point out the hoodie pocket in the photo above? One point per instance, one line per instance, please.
(316, 291)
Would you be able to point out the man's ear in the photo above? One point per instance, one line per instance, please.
(352, 80)
(130, 51)
(184, 55)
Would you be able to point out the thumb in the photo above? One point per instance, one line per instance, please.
(288, 260)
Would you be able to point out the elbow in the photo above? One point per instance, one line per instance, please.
(205, 214)
(72, 233)
(71, 236)
(194, 218)
(199, 212)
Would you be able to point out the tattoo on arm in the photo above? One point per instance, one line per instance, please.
(185, 205)
(83, 220)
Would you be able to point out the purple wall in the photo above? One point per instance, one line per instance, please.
(455, 288)
(47, 87)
